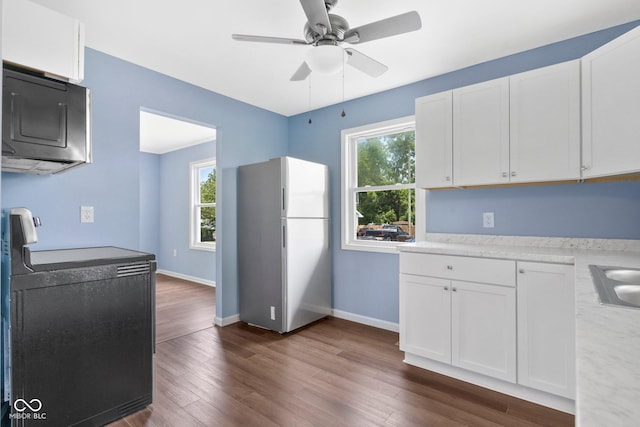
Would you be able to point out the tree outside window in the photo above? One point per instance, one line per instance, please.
(379, 184)
(203, 206)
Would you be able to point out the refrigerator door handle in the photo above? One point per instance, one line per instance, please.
(284, 236)
(284, 205)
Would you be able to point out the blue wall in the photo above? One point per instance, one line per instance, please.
(111, 184)
(366, 283)
(175, 176)
(150, 196)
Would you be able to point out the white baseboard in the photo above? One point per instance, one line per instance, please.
(187, 277)
(225, 321)
(370, 321)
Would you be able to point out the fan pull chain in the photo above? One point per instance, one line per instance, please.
(309, 108)
(343, 60)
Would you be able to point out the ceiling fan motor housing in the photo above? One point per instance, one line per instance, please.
(339, 27)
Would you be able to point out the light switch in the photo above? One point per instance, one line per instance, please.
(86, 214)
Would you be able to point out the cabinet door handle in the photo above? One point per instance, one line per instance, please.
(449, 267)
(504, 174)
(454, 289)
(513, 173)
(447, 178)
(446, 288)
(521, 271)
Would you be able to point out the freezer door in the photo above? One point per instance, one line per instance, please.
(305, 192)
(307, 271)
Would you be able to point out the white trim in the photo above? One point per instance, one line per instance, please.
(369, 321)
(348, 221)
(194, 191)
(552, 401)
(206, 282)
(226, 321)
(420, 212)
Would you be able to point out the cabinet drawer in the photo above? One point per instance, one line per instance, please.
(483, 270)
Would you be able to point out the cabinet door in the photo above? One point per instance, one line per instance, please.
(481, 133)
(43, 39)
(610, 107)
(546, 327)
(545, 124)
(483, 329)
(425, 316)
(434, 143)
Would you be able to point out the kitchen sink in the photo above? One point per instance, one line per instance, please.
(617, 286)
(627, 276)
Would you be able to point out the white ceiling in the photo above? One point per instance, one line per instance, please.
(191, 40)
(160, 134)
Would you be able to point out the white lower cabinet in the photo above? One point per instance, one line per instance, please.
(507, 320)
(467, 324)
(483, 329)
(425, 317)
(546, 327)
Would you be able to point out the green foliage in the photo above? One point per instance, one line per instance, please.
(386, 160)
(208, 214)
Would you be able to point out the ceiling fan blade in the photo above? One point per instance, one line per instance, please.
(399, 24)
(301, 74)
(364, 63)
(262, 39)
(317, 15)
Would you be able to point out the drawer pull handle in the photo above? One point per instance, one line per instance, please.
(454, 289)
(521, 271)
(446, 288)
(449, 267)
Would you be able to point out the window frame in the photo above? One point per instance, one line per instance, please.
(195, 205)
(349, 221)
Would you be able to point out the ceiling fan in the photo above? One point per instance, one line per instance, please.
(327, 31)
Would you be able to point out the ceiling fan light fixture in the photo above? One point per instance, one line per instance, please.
(325, 59)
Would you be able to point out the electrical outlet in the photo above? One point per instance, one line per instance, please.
(487, 220)
(273, 313)
(175, 252)
(86, 214)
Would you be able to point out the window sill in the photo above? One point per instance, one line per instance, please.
(203, 247)
(364, 246)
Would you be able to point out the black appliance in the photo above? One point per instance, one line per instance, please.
(78, 330)
(45, 123)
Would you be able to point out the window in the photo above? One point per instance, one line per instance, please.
(378, 185)
(203, 205)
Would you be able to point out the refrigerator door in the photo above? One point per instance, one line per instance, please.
(306, 271)
(305, 192)
(260, 244)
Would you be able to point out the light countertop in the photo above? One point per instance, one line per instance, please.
(607, 338)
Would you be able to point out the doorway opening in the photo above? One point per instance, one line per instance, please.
(175, 208)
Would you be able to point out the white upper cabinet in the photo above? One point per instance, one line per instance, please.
(42, 39)
(481, 133)
(611, 108)
(434, 141)
(521, 128)
(545, 124)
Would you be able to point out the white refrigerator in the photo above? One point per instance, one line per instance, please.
(284, 264)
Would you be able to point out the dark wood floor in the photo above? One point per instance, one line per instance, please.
(182, 307)
(332, 373)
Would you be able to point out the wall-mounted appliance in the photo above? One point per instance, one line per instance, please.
(45, 123)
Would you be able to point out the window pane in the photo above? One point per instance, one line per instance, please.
(207, 176)
(386, 160)
(207, 224)
(386, 215)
